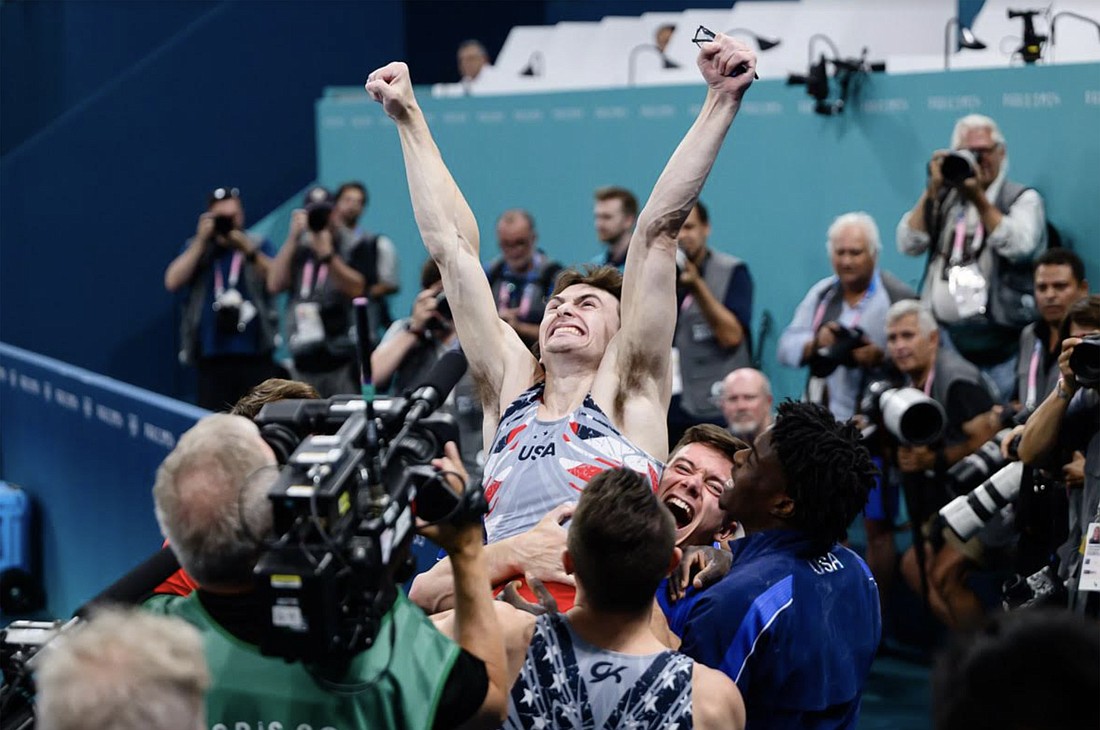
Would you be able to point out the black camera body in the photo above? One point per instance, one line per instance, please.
(445, 320)
(1085, 362)
(827, 359)
(318, 215)
(224, 224)
(344, 514)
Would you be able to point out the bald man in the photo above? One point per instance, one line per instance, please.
(746, 402)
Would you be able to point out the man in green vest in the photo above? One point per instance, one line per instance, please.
(215, 513)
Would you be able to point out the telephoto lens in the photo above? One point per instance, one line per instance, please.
(958, 165)
(1085, 362)
(967, 514)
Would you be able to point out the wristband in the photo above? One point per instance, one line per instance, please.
(412, 330)
(1063, 390)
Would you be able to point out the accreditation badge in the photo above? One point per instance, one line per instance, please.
(1090, 563)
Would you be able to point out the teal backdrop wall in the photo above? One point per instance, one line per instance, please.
(781, 178)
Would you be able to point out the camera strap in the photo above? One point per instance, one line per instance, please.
(309, 283)
(1033, 375)
(234, 274)
(958, 248)
(832, 292)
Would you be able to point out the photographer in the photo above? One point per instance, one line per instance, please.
(411, 347)
(839, 329)
(227, 328)
(325, 266)
(1041, 509)
(522, 277)
(981, 232)
(912, 342)
(212, 504)
(1069, 420)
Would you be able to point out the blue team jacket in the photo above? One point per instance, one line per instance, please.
(796, 634)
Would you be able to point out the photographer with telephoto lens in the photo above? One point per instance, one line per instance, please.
(1069, 420)
(410, 348)
(839, 331)
(981, 231)
(941, 570)
(227, 327)
(325, 266)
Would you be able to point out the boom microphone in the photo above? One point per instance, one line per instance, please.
(438, 384)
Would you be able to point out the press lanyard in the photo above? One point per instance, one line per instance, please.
(307, 278)
(234, 274)
(858, 307)
(959, 246)
(928, 382)
(504, 296)
(1033, 375)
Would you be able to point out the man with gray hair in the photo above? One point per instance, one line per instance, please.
(211, 503)
(981, 232)
(123, 670)
(522, 277)
(746, 401)
(839, 327)
(913, 345)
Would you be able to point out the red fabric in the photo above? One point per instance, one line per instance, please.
(565, 595)
(177, 584)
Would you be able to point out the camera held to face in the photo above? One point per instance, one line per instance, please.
(1085, 362)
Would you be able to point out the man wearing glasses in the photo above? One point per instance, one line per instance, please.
(227, 331)
(981, 232)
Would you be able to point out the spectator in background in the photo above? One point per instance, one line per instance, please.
(227, 327)
(981, 231)
(409, 349)
(957, 385)
(615, 214)
(746, 402)
(381, 256)
(522, 277)
(844, 314)
(472, 57)
(1034, 669)
(713, 320)
(123, 670)
(325, 266)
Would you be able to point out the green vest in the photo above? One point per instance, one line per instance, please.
(379, 689)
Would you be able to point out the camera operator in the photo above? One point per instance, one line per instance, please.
(839, 328)
(227, 328)
(350, 200)
(981, 232)
(411, 347)
(1069, 420)
(912, 341)
(325, 266)
(122, 670)
(212, 504)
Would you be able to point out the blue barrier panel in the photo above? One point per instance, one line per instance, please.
(86, 449)
(781, 178)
